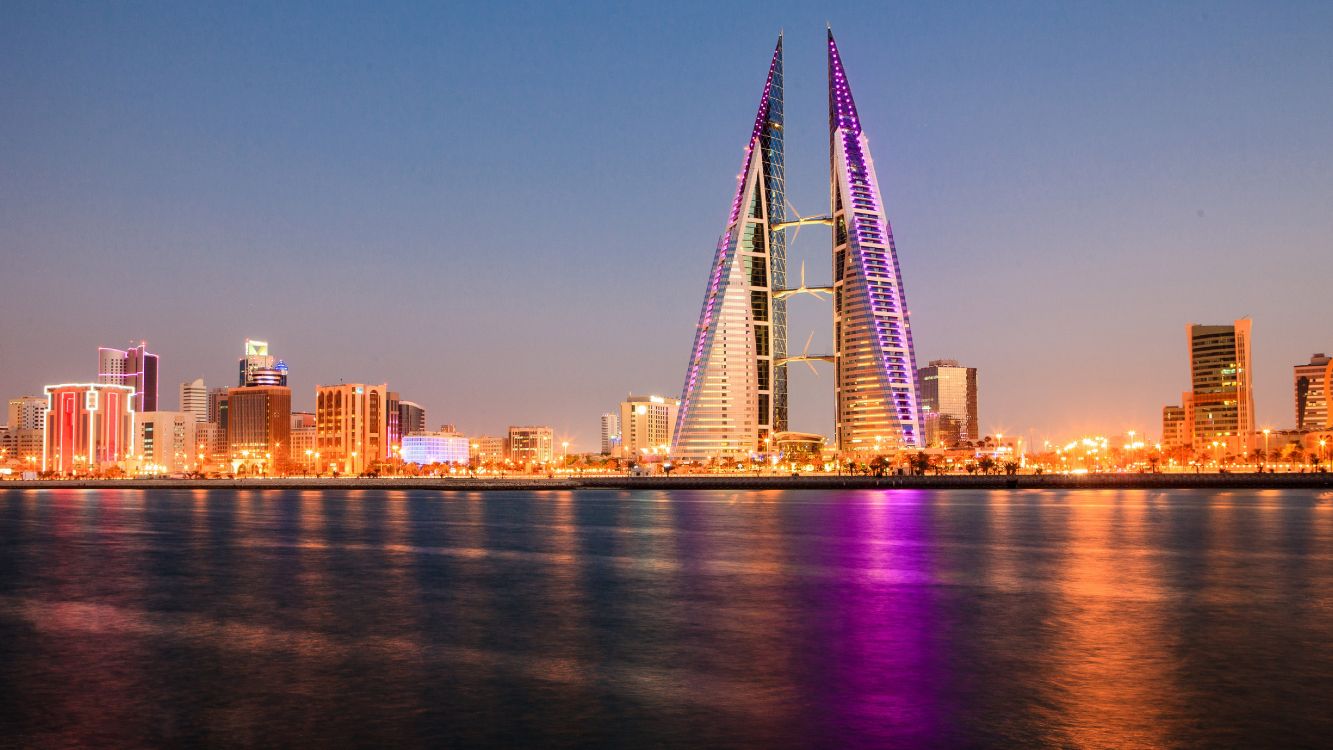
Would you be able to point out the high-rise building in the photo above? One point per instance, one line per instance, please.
(874, 360)
(735, 392)
(257, 366)
(352, 426)
(165, 441)
(303, 440)
(531, 445)
(646, 424)
(435, 448)
(259, 426)
(27, 413)
(1313, 384)
(136, 368)
(217, 406)
(949, 403)
(1175, 428)
(1222, 396)
(411, 418)
(89, 426)
(610, 433)
(391, 417)
(194, 399)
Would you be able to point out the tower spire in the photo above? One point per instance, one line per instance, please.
(735, 392)
(877, 404)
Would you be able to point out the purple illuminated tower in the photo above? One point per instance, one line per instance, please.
(877, 404)
(735, 392)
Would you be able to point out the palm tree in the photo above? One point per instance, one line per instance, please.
(986, 464)
(878, 465)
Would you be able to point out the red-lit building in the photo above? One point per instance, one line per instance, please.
(89, 426)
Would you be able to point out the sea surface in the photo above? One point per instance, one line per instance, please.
(902, 618)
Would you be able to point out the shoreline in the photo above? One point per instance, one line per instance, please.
(712, 482)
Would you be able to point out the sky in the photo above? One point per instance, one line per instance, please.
(507, 211)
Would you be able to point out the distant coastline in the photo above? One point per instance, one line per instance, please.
(1313, 480)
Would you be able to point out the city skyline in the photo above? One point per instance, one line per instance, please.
(989, 214)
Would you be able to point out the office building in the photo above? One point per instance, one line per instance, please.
(194, 399)
(435, 448)
(735, 391)
(610, 433)
(531, 445)
(136, 368)
(27, 413)
(1175, 429)
(89, 427)
(392, 417)
(259, 420)
(1313, 383)
(165, 442)
(486, 449)
(646, 425)
(258, 367)
(878, 408)
(217, 406)
(303, 440)
(412, 418)
(22, 447)
(1221, 397)
(949, 403)
(352, 427)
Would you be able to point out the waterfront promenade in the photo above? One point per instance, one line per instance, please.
(1312, 480)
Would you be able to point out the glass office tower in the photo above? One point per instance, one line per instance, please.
(735, 392)
(875, 366)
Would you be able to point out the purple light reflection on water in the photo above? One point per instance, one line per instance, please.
(881, 676)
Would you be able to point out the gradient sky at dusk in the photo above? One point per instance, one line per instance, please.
(508, 211)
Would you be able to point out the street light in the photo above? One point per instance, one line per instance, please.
(1265, 461)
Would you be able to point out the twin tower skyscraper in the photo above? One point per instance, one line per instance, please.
(735, 395)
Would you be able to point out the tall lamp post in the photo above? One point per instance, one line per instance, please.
(1265, 461)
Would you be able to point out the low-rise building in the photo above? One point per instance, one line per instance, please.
(435, 448)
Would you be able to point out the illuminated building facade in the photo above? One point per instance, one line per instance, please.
(486, 449)
(878, 408)
(799, 447)
(1222, 396)
(165, 442)
(89, 427)
(194, 399)
(303, 446)
(351, 426)
(257, 366)
(1313, 382)
(27, 413)
(646, 424)
(1175, 429)
(531, 445)
(136, 368)
(610, 433)
(948, 403)
(435, 448)
(259, 428)
(735, 392)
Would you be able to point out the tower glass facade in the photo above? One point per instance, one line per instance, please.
(735, 392)
(1222, 400)
(875, 365)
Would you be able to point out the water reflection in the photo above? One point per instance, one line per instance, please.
(905, 618)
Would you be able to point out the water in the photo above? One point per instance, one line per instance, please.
(684, 619)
